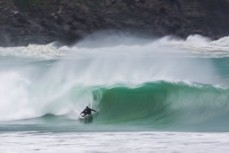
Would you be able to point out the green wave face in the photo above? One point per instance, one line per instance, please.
(164, 105)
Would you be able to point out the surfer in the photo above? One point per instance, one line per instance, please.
(87, 111)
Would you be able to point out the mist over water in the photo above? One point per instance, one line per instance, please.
(168, 79)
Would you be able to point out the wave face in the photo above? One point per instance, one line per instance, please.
(164, 105)
(161, 84)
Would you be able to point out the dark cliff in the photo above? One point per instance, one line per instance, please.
(43, 21)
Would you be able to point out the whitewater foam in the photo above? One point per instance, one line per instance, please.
(48, 51)
(14, 97)
(115, 142)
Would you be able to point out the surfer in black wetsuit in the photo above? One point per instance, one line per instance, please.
(87, 111)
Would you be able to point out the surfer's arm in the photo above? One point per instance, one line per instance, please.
(93, 110)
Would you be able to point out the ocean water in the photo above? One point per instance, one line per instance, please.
(152, 95)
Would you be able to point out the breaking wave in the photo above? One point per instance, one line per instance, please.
(164, 83)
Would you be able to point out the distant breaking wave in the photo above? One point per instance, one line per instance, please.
(194, 45)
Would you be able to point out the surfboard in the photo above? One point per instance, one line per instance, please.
(86, 119)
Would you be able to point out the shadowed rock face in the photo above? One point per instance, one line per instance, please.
(43, 21)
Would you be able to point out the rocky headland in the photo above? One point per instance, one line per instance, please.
(43, 21)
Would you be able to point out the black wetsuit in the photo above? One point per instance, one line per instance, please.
(87, 111)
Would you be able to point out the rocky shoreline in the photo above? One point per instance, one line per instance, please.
(43, 21)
